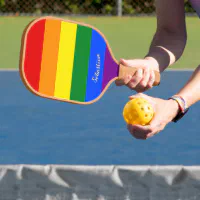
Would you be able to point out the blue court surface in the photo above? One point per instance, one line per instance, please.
(35, 130)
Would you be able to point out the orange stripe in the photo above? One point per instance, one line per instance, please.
(50, 57)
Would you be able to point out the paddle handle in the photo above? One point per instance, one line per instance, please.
(124, 71)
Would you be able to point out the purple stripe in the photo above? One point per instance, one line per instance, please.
(111, 69)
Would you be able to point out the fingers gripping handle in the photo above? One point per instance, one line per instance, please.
(124, 71)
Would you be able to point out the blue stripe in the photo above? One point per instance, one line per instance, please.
(96, 66)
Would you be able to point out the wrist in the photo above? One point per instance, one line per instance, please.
(154, 65)
(174, 107)
(182, 107)
(163, 56)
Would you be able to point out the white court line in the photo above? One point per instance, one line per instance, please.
(178, 70)
(9, 70)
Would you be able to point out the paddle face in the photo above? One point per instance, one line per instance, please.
(66, 61)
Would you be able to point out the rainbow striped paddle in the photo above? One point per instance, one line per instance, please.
(68, 61)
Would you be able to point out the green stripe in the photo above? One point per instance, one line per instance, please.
(81, 63)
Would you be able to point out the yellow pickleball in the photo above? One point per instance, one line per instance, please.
(138, 111)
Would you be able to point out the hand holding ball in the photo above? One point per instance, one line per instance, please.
(138, 111)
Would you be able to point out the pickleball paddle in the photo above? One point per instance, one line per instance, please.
(68, 61)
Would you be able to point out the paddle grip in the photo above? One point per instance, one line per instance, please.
(124, 71)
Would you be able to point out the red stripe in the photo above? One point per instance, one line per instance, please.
(33, 54)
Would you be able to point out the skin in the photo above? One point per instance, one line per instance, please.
(168, 43)
(163, 115)
(166, 48)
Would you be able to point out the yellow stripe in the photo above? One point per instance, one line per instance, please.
(65, 60)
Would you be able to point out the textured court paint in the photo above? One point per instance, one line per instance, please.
(49, 57)
(96, 66)
(196, 6)
(33, 54)
(65, 60)
(111, 69)
(81, 62)
(44, 132)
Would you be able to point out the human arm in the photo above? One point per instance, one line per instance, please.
(166, 47)
(170, 38)
(191, 91)
(166, 110)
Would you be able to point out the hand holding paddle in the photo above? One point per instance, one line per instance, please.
(68, 61)
(145, 76)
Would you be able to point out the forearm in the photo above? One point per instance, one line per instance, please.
(170, 38)
(166, 48)
(191, 91)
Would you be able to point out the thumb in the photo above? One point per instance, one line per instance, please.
(138, 95)
(133, 63)
(155, 122)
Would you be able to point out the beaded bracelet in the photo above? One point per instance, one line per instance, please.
(182, 106)
(181, 102)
